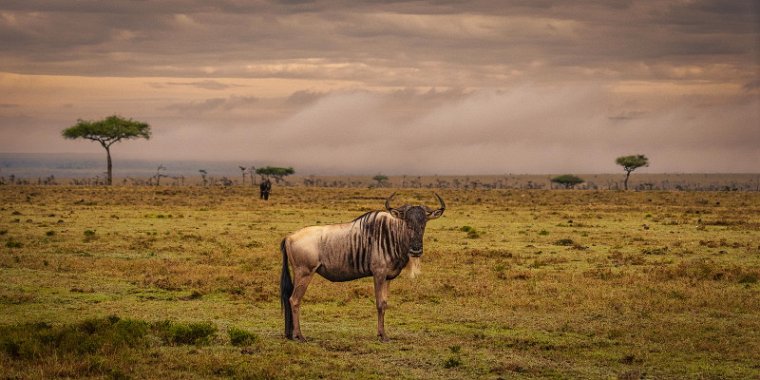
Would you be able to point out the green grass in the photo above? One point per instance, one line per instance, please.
(514, 284)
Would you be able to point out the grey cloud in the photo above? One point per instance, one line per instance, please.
(213, 105)
(302, 98)
(205, 84)
(627, 115)
(752, 85)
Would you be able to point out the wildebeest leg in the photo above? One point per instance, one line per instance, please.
(381, 299)
(302, 277)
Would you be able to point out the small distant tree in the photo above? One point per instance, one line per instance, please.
(107, 132)
(568, 180)
(276, 172)
(381, 179)
(631, 163)
(159, 174)
(204, 174)
(242, 171)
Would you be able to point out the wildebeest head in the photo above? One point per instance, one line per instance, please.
(415, 218)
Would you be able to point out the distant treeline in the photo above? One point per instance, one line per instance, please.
(642, 181)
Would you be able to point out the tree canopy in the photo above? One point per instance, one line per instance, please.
(276, 172)
(631, 163)
(107, 132)
(568, 180)
(380, 178)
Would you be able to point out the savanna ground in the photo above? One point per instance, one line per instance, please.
(182, 282)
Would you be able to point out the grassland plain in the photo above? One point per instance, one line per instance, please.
(182, 282)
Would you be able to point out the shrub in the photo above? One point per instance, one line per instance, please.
(748, 278)
(472, 233)
(194, 295)
(93, 336)
(454, 360)
(564, 242)
(13, 244)
(191, 333)
(89, 235)
(240, 337)
(655, 251)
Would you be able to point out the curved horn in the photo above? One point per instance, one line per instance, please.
(433, 214)
(440, 200)
(388, 202)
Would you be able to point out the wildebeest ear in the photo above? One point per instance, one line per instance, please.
(397, 213)
(435, 213)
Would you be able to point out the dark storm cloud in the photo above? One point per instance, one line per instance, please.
(194, 38)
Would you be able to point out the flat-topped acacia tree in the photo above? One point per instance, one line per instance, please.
(107, 132)
(276, 172)
(631, 163)
(568, 180)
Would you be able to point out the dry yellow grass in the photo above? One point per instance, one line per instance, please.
(514, 283)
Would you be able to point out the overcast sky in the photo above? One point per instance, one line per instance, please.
(393, 87)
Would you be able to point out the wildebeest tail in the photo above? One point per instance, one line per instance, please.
(286, 290)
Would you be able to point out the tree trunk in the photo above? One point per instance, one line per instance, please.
(627, 174)
(110, 166)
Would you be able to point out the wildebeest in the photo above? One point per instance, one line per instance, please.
(377, 244)
(265, 188)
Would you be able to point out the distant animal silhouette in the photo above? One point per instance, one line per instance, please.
(265, 188)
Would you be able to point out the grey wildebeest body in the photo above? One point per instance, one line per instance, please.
(377, 244)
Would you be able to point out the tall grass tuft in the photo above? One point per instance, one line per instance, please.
(240, 337)
(185, 333)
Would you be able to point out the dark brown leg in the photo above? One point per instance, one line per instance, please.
(302, 277)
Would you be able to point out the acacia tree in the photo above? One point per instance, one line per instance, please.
(242, 172)
(277, 173)
(107, 132)
(568, 180)
(381, 179)
(631, 163)
(159, 174)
